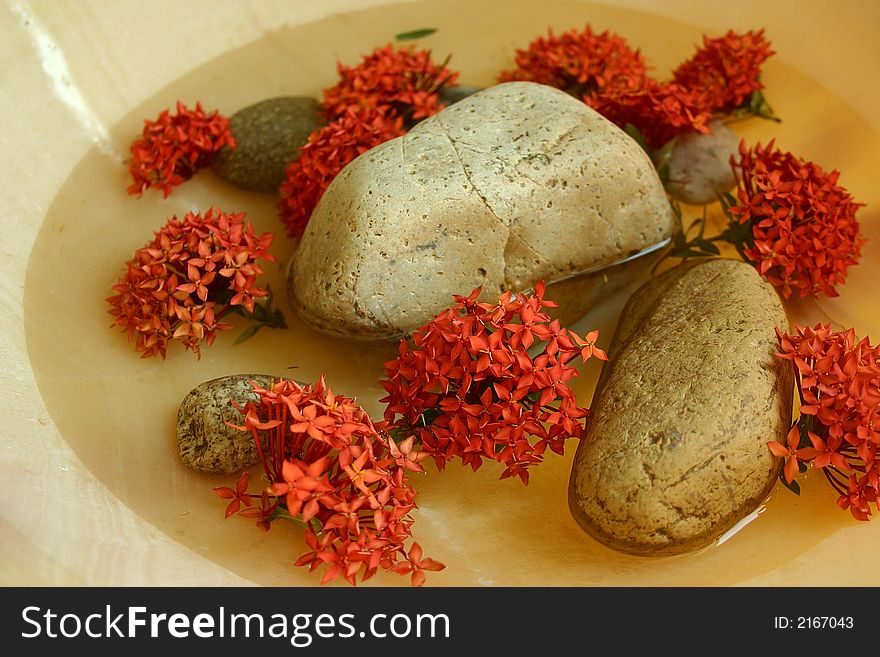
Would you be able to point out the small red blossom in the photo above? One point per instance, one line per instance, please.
(355, 131)
(302, 484)
(658, 111)
(173, 147)
(264, 514)
(489, 381)
(416, 565)
(804, 232)
(839, 384)
(333, 471)
(791, 453)
(405, 82)
(582, 63)
(180, 285)
(726, 70)
(372, 103)
(611, 77)
(406, 454)
(238, 495)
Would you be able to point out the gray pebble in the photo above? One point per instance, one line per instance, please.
(699, 167)
(268, 137)
(204, 441)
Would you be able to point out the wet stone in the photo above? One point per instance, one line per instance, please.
(268, 138)
(204, 440)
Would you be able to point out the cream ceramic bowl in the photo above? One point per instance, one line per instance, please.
(71, 71)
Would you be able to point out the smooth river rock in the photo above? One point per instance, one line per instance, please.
(517, 183)
(675, 452)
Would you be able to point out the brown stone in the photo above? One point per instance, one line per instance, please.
(268, 137)
(204, 440)
(675, 452)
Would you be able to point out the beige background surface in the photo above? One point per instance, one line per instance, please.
(68, 71)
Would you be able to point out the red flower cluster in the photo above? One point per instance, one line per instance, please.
(803, 228)
(612, 78)
(372, 103)
(405, 81)
(180, 285)
(470, 387)
(327, 152)
(172, 148)
(727, 69)
(332, 470)
(581, 63)
(839, 383)
(658, 111)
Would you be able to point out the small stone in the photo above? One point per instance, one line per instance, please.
(699, 167)
(268, 137)
(204, 441)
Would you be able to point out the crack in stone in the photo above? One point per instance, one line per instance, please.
(467, 174)
(510, 231)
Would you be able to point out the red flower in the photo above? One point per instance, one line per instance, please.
(303, 485)
(180, 285)
(791, 453)
(582, 63)
(264, 514)
(417, 566)
(332, 470)
(588, 346)
(172, 148)
(372, 103)
(726, 69)
(804, 233)
(839, 383)
(489, 380)
(857, 497)
(404, 81)
(658, 111)
(405, 454)
(825, 454)
(612, 78)
(355, 131)
(239, 495)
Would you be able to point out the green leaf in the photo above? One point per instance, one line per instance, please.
(663, 174)
(794, 486)
(661, 158)
(805, 425)
(737, 233)
(260, 314)
(686, 253)
(415, 34)
(248, 333)
(759, 106)
(727, 200)
(696, 222)
(429, 415)
(708, 247)
(264, 314)
(281, 513)
(634, 132)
